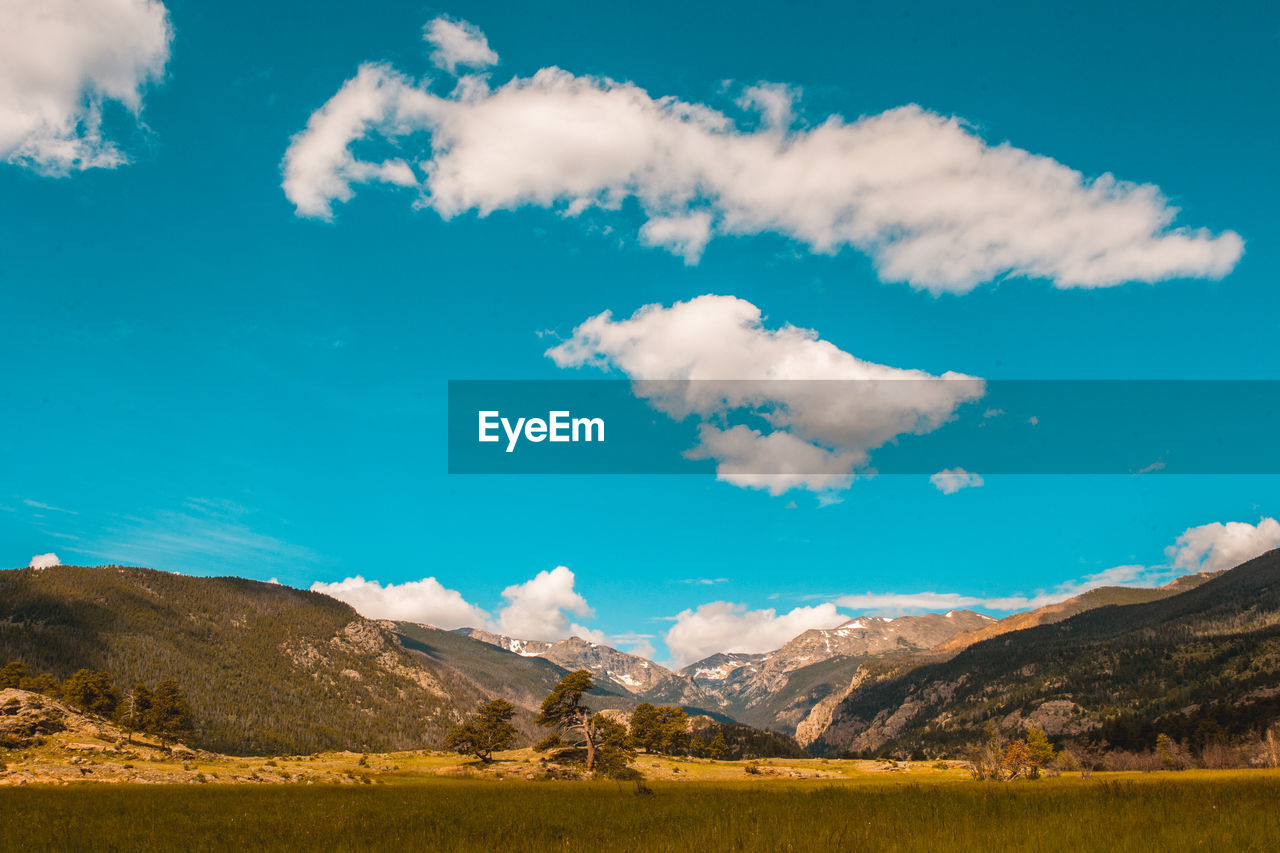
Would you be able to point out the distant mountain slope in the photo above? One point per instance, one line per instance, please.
(778, 689)
(1209, 656)
(268, 669)
(631, 674)
(523, 680)
(1100, 597)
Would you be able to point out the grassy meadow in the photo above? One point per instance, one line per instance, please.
(716, 806)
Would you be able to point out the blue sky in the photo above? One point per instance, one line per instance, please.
(200, 379)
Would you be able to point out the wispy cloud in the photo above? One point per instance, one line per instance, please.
(916, 602)
(47, 507)
(209, 534)
(704, 581)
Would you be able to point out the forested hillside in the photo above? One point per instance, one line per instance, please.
(268, 669)
(1201, 665)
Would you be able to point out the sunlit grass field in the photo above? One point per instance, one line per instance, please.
(1234, 810)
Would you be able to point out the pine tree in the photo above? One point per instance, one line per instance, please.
(170, 712)
(485, 733)
(91, 692)
(13, 674)
(563, 711)
(717, 748)
(673, 723)
(646, 729)
(136, 711)
(1041, 750)
(614, 748)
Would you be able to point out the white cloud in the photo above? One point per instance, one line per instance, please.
(915, 602)
(722, 626)
(951, 480)
(61, 63)
(924, 195)
(426, 601)
(642, 648)
(48, 507)
(202, 531)
(458, 43)
(1211, 547)
(44, 561)
(821, 409)
(538, 608)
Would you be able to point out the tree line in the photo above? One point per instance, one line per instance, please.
(163, 712)
(600, 744)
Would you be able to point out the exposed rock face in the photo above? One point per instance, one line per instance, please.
(640, 677)
(26, 718)
(1055, 717)
(725, 675)
(1084, 664)
(781, 689)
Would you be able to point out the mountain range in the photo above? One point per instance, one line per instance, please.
(275, 670)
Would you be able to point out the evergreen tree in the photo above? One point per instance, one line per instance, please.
(485, 733)
(136, 711)
(1041, 750)
(13, 674)
(43, 683)
(91, 692)
(646, 729)
(614, 747)
(170, 712)
(673, 723)
(563, 711)
(717, 748)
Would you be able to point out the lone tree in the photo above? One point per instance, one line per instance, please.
(170, 715)
(487, 732)
(1042, 751)
(563, 711)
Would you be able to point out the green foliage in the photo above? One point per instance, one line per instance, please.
(614, 748)
(44, 683)
(170, 715)
(563, 706)
(13, 674)
(1039, 748)
(91, 692)
(134, 713)
(564, 711)
(645, 729)
(485, 733)
(548, 743)
(741, 742)
(662, 729)
(717, 748)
